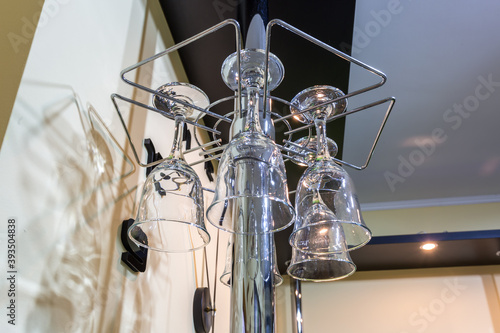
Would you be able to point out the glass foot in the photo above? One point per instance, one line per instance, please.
(316, 95)
(252, 70)
(184, 92)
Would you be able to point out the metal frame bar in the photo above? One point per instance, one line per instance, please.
(206, 111)
(391, 101)
(129, 138)
(328, 48)
(175, 48)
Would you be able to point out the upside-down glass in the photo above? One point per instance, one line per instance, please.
(323, 232)
(251, 191)
(170, 215)
(326, 204)
(230, 260)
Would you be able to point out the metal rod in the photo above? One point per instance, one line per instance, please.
(163, 113)
(208, 189)
(215, 281)
(295, 286)
(129, 139)
(208, 151)
(206, 159)
(253, 291)
(281, 100)
(300, 146)
(202, 146)
(217, 102)
(344, 114)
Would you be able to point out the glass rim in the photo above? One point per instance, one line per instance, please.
(176, 164)
(342, 223)
(221, 201)
(191, 224)
(197, 98)
(351, 263)
(276, 277)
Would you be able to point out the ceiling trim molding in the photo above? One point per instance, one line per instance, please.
(454, 201)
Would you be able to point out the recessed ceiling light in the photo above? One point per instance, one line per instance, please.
(428, 246)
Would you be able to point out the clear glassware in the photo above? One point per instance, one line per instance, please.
(326, 205)
(251, 191)
(228, 267)
(170, 215)
(305, 157)
(323, 233)
(252, 70)
(320, 267)
(316, 95)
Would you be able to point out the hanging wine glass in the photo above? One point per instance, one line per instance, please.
(327, 207)
(251, 192)
(303, 151)
(170, 215)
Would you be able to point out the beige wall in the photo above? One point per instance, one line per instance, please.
(451, 300)
(18, 21)
(485, 216)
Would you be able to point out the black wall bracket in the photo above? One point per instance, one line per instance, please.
(153, 156)
(135, 256)
(203, 312)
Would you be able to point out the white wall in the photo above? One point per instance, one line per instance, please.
(68, 185)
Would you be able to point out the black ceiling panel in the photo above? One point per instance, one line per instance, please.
(453, 249)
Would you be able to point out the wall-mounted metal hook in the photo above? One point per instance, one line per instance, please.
(135, 256)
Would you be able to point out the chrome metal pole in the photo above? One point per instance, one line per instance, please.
(295, 286)
(253, 292)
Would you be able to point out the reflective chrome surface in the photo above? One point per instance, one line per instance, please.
(253, 292)
(295, 286)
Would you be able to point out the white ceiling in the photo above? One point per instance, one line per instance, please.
(437, 55)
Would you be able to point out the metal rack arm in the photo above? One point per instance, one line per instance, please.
(114, 97)
(329, 48)
(175, 47)
(391, 101)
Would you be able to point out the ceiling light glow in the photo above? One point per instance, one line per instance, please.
(428, 246)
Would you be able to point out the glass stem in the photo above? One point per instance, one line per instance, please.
(176, 151)
(321, 139)
(252, 122)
